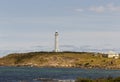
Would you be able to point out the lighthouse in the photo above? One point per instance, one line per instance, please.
(56, 42)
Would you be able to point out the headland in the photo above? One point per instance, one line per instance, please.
(60, 59)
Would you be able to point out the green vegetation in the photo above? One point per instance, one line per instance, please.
(60, 59)
(109, 79)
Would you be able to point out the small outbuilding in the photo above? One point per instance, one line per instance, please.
(112, 54)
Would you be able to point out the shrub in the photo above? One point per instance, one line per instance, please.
(86, 64)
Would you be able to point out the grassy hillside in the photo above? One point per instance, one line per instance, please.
(61, 59)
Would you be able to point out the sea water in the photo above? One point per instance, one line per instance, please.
(34, 74)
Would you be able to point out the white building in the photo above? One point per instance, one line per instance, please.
(112, 54)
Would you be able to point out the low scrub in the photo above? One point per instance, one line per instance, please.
(109, 79)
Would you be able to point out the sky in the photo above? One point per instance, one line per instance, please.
(27, 24)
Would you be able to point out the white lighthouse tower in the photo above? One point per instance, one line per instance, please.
(56, 42)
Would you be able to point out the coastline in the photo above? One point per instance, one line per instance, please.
(104, 68)
(84, 60)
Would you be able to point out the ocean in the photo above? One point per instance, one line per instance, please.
(35, 74)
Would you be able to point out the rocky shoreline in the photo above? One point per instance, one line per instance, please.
(52, 80)
(81, 67)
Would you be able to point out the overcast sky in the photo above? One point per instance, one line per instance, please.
(29, 23)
